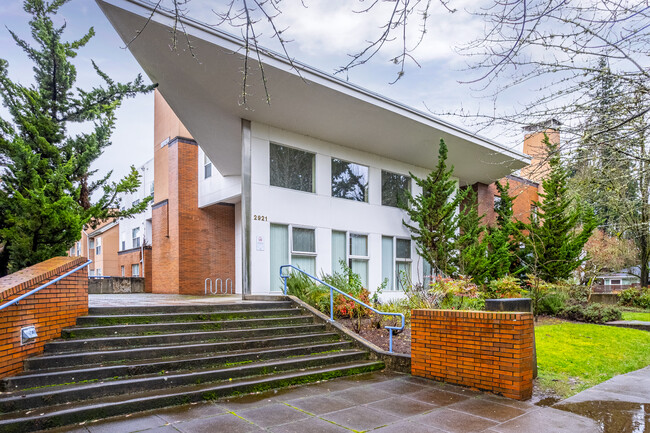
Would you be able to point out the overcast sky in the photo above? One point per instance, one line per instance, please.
(323, 34)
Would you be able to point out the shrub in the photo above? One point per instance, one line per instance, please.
(639, 298)
(552, 303)
(505, 287)
(595, 313)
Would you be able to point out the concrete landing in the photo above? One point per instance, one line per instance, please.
(634, 324)
(153, 299)
(378, 402)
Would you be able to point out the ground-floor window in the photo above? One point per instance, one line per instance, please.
(352, 249)
(122, 270)
(135, 270)
(291, 245)
(396, 262)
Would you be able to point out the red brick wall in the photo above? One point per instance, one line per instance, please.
(524, 192)
(50, 309)
(190, 244)
(490, 351)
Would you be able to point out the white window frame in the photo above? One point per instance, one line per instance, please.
(292, 252)
(98, 246)
(122, 270)
(395, 260)
(135, 236)
(133, 274)
(98, 272)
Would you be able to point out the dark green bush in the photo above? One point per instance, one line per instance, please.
(594, 313)
(552, 303)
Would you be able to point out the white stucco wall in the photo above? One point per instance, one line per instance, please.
(320, 210)
(216, 188)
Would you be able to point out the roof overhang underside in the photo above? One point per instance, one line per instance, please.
(206, 94)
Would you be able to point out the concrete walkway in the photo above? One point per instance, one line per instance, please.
(155, 299)
(634, 324)
(381, 402)
(621, 404)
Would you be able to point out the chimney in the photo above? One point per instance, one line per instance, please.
(534, 147)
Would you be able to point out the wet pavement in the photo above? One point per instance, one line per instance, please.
(382, 402)
(619, 405)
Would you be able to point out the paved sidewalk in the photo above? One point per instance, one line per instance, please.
(381, 402)
(621, 404)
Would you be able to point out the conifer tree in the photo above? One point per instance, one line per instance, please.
(472, 247)
(434, 216)
(502, 238)
(47, 185)
(555, 239)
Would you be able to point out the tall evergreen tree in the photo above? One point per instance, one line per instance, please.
(473, 260)
(555, 239)
(47, 186)
(434, 216)
(502, 237)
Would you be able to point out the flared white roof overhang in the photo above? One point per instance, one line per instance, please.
(205, 93)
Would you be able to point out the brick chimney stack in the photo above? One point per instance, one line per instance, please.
(534, 147)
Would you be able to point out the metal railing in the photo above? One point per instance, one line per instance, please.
(56, 280)
(334, 289)
(217, 288)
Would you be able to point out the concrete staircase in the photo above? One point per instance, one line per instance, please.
(119, 360)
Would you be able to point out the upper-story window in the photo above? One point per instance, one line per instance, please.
(98, 246)
(349, 180)
(393, 188)
(135, 235)
(291, 168)
(207, 167)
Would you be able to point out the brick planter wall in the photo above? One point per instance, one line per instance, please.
(489, 351)
(49, 310)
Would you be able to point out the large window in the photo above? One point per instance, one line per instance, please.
(135, 270)
(291, 245)
(349, 180)
(135, 237)
(393, 188)
(98, 246)
(352, 249)
(396, 262)
(291, 168)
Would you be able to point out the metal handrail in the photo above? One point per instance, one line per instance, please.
(56, 280)
(333, 289)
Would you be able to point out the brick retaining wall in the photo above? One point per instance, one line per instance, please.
(49, 310)
(490, 351)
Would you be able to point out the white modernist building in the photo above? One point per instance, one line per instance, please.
(316, 174)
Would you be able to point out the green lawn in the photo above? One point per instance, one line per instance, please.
(644, 317)
(572, 357)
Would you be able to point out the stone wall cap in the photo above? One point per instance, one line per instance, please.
(40, 272)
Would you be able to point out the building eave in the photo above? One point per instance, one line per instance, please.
(206, 96)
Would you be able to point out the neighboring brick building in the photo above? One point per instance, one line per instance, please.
(526, 186)
(193, 238)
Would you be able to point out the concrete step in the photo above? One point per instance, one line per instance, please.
(40, 378)
(195, 316)
(162, 309)
(60, 415)
(41, 397)
(163, 328)
(118, 342)
(121, 356)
